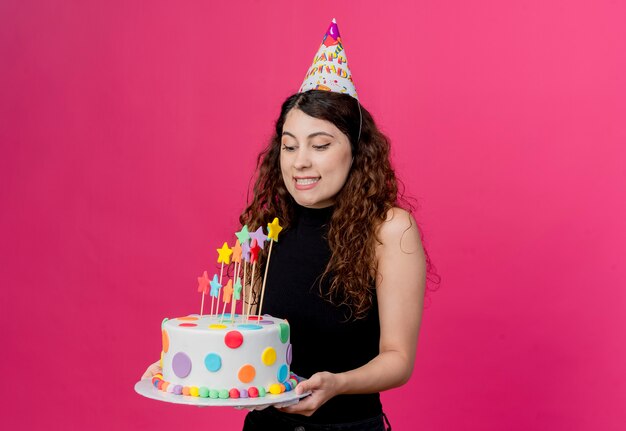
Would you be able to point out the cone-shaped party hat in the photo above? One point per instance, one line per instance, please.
(330, 70)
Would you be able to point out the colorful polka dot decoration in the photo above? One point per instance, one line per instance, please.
(289, 354)
(217, 326)
(268, 357)
(213, 362)
(181, 365)
(283, 373)
(204, 392)
(249, 326)
(233, 339)
(246, 373)
(187, 325)
(284, 332)
(188, 318)
(166, 340)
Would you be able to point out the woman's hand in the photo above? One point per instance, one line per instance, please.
(323, 386)
(152, 370)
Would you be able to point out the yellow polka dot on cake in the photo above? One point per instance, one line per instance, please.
(268, 357)
(276, 389)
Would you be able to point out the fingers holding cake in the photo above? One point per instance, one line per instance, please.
(152, 370)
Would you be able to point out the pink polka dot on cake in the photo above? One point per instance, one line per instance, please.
(233, 339)
(188, 325)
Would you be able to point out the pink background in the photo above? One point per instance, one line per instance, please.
(129, 132)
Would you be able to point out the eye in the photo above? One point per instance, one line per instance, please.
(321, 147)
(288, 148)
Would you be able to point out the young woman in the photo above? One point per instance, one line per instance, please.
(349, 270)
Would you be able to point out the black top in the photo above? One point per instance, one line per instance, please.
(323, 335)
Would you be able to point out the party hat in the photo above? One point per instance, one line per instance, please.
(330, 70)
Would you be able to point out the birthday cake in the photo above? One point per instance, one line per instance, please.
(228, 355)
(219, 357)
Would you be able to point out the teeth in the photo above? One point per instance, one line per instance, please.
(305, 181)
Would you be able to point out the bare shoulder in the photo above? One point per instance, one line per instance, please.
(399, 231)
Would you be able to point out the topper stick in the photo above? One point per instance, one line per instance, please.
(254, 258)
(218, 292)
(228, 291)
(234, 301)
(203, 284)
(273, 229)
(267, 265)
(243, 293)
(251, 288)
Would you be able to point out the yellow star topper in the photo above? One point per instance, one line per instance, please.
(224, 254)
(274, 229)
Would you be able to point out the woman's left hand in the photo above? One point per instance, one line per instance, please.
(323, 386)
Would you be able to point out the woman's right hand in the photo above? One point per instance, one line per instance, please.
(153, 370)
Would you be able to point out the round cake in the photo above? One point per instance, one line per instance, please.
(223, 357)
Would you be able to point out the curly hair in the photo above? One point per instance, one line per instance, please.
(370, 191)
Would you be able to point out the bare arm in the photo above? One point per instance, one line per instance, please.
(400, 282)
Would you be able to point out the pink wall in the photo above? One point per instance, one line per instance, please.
(129, 132)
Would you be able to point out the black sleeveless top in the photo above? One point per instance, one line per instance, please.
(323, 336)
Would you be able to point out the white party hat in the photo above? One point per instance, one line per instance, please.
(330, 70)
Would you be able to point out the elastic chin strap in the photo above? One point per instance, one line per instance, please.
(358, 139)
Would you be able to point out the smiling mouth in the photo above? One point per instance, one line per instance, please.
(306, 181)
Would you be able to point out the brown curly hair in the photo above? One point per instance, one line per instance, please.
(370, 191)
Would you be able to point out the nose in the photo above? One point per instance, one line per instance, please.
(303, 159)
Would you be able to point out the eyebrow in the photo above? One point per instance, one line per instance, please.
(312, 135)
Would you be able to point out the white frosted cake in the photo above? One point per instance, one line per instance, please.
(217, 357)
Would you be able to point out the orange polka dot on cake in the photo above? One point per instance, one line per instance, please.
(166, 341)
(246, 373)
